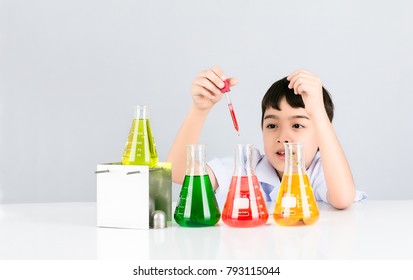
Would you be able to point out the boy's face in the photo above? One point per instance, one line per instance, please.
(287, 125)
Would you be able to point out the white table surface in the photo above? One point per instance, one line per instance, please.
(370, 230)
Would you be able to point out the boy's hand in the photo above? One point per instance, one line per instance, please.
(206, 88)
(310, 88)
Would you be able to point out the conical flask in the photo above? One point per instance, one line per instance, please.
(197, 205)
(295, 204)
(245, 204)
(140, 147)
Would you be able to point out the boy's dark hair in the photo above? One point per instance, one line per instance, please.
(280, 89)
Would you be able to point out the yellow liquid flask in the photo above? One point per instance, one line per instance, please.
(140, 147)
(197, 205)
(295, 204)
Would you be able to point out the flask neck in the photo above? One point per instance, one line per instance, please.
(195, 160)
(294, 158)
(141, 112)
(243, 165)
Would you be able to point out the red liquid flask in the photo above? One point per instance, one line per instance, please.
(245, 205)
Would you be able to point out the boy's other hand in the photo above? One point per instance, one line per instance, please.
(309, 86)
(206, 87)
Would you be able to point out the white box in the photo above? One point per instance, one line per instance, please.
(127, 194)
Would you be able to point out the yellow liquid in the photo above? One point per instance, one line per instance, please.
(140, 148)
(296, 204)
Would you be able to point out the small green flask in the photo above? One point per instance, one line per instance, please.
(140, 147)
(197, 205)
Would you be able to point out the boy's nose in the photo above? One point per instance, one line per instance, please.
(283, 136)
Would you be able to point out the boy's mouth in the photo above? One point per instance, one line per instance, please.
(280, 154)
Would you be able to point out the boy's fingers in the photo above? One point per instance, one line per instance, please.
(301, 77)
(232, 81)
(215, 79)
(198, 90)
(305, 86)
(215, 75)
(298, 72)
(294, 80)
(219, 72)
(206, 83)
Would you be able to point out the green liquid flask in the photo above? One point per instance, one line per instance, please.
(140, 147)
(197, 205)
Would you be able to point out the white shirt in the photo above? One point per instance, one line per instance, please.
(223, 169)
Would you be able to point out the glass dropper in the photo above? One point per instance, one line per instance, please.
(225, 90)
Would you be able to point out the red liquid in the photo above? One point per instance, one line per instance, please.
(245, 205)
(234, 119)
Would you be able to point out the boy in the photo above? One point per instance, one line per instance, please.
(294, 109)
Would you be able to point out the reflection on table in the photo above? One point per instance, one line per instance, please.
(68, 231)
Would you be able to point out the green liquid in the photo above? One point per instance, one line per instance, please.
(197, 205)
(140, 148)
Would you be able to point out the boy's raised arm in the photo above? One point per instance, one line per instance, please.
(205, 91)
(337, 173)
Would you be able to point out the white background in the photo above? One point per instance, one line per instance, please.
(71, 73)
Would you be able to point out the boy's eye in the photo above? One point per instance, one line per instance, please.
(297, 126)
(271, 125)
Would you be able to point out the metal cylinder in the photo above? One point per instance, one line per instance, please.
(158, 219)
